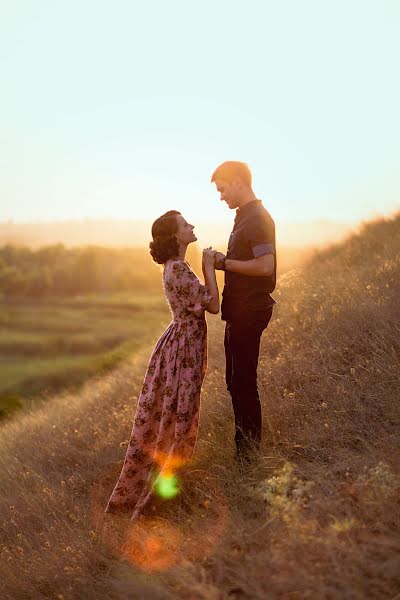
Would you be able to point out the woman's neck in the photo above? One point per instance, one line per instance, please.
(182, 252)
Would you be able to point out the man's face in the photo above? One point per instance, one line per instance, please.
(229, 192)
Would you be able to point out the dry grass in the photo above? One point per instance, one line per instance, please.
(317, 516)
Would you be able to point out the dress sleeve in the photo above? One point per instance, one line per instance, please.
(193, 294)
(261, 236)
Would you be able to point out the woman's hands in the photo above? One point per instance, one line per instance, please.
(208, 257)
(210, 279)
(213, 258)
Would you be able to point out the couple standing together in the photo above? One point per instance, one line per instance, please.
(166, 421)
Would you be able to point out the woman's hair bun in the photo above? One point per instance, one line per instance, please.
(164, 244)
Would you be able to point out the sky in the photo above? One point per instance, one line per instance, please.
(123, 109)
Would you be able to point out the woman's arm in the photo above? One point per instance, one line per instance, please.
(211, 281)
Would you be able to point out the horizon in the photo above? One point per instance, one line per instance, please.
(200, 221)
(137, 233)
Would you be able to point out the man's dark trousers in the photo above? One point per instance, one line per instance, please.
(242, 347)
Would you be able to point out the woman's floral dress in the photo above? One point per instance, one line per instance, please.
(166, 421)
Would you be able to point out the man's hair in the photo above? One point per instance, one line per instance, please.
(232, 169)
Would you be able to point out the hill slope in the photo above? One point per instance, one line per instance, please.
(316, 517)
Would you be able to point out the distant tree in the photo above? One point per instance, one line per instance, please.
(86, 271)
(39, 282)
(52, 255)
(12, 282)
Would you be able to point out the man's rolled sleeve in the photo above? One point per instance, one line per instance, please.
(262, 249)
(261, 237)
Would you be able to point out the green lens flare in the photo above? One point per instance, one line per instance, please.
(167, 486)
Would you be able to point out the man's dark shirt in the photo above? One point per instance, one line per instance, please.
(252, 236)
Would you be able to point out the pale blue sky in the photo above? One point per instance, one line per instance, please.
(123, 109)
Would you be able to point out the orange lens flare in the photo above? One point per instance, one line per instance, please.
(169, 462)
(154, 545)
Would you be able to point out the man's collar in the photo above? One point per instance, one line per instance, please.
(241, 211)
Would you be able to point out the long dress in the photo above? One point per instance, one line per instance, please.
(166, 421)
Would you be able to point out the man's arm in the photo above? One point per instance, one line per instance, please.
(261, 266)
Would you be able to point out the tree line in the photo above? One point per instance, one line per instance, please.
(57, 270)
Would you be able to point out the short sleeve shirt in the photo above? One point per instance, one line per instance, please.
(253, 235)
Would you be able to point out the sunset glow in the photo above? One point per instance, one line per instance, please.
(130, 119)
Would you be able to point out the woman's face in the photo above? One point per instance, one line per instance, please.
(185, 234)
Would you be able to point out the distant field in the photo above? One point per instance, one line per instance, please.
(52, 344)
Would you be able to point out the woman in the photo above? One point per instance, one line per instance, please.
(166, 422)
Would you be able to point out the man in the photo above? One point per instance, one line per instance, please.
(250, 276)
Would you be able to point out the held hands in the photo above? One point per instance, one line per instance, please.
(213, 258)
(218, 260)
(208, 257)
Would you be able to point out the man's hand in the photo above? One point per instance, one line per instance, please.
(218, 256)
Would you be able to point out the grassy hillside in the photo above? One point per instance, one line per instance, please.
(317, 516)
